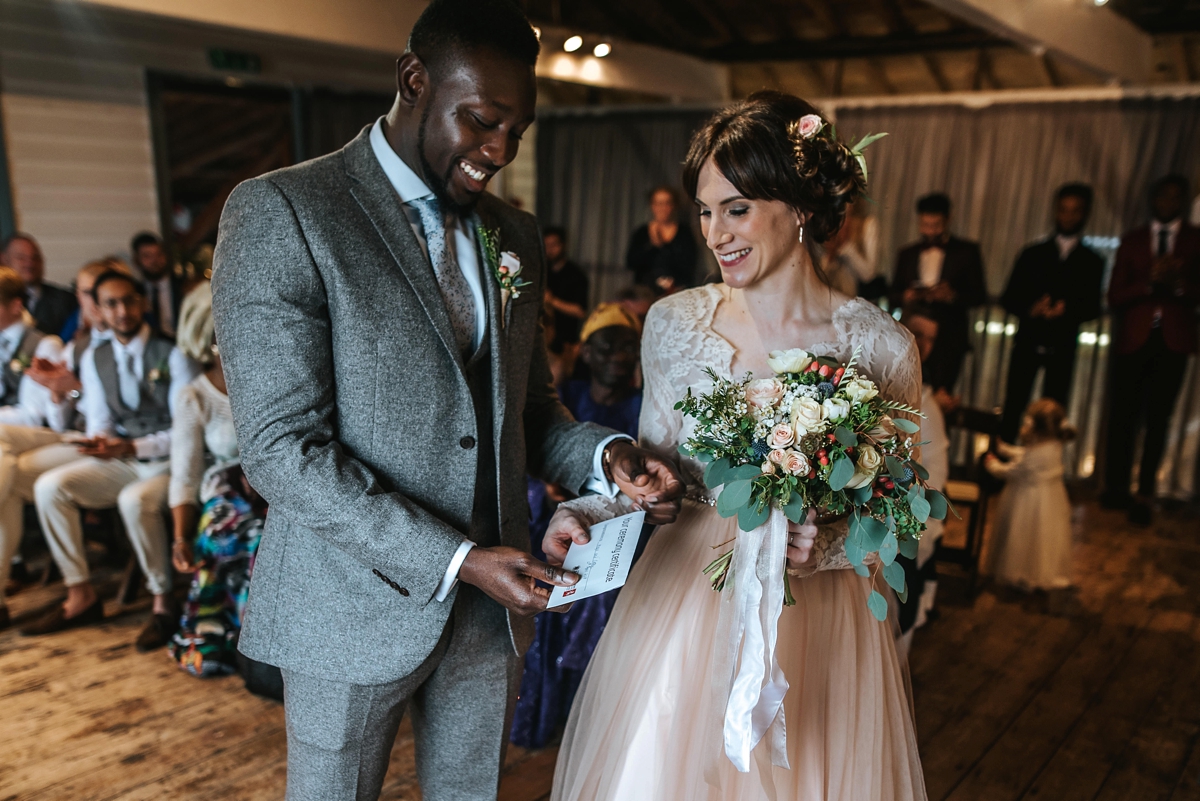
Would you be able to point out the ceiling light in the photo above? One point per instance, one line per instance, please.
(537, 32)
(602, 50)
(573, 44)
(1100, 2)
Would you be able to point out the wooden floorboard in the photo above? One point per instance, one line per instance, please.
(1095, 698)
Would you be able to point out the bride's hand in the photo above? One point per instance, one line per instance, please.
(801, 537)
(565, 528)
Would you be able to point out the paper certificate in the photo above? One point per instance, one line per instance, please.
(602, 564)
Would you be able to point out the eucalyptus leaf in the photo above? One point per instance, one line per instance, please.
(733, 497)
(895, 467)
(905, 425)
(714, 474)
(855, 553)
(903, 595)
(845, 436)
(908, 547)
(873, 533)
(893, 574)
(878, 606)
(842, 472)
(937, 505)
(794, 508)
(861, 495)
(862, 570)
(746, 471)
(919, 507)
(920, 470)
(889, 549)
(704, 457)
(684, 450)
(869, 139)
(752, 516)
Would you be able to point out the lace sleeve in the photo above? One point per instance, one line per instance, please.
(888, 356)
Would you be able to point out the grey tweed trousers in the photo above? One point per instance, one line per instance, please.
(340, 735)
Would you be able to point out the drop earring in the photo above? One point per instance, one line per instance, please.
(801, 238)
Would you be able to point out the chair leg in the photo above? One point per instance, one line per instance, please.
(130, 580)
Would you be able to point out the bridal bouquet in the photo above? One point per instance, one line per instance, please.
(816, 435)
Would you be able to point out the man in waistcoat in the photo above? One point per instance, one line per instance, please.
(20, 344)
(379, 321)
(129, 387)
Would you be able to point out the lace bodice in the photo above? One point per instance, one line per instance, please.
(679, 344)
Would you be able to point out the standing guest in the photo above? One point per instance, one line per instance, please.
(1032, 533)
(564, 643)
(164, 290)
(1153, 292)
(218, 518)
(130, 384)
(853, 255)
(20, 344)
(945, 273)
(566, 289)
(1055, 287)
(662, 253)
(51, 306)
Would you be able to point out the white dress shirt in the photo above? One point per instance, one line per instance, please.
(929, 266)
(60, 416)
(1172, 229)
(95, 403)
(32, 397)
(410, 187)
(1066, 244)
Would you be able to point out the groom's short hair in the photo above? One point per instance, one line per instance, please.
(450, 28)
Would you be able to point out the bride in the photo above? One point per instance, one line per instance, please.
(641, 724)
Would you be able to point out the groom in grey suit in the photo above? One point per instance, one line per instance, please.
(389, 397)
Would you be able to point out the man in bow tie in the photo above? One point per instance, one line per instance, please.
(388, 402)
(944, 273)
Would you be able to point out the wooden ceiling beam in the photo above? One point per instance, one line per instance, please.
(1049, 70)
(879, 73)
(935, 70)
(854, 46)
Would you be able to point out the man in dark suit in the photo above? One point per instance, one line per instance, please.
(50, 306)
(1153, 293)
(946, 274)
(391, 391)
(1055, 286)
(164, 289)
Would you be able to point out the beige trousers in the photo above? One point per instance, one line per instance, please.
(137, 489)
(25, 454)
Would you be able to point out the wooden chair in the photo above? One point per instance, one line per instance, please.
(969, 488)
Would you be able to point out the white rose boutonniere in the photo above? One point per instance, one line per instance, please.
(19, 364)
(505, 268)
(160, 374)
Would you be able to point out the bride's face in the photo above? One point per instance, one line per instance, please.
(751, 239)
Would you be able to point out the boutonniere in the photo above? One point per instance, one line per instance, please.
(20, 364)
(505, 268)
(160, 374)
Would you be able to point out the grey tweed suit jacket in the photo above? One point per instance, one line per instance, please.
(352, 411)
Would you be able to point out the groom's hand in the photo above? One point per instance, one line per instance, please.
(652, 482)
(565, 528)
(508, 576)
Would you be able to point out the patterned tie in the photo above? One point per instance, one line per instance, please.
(456, 292)
(131, 393)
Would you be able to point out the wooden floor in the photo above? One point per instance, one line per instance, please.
(1097, 697)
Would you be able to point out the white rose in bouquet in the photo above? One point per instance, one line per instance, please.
(836, 409)
(782, 435)
(869, 462)
(764, 393)
(796, 463)
(795, 360)
(859, 390)
(808, 416)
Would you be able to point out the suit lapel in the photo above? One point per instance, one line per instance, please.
(374, 193)
(496, 329)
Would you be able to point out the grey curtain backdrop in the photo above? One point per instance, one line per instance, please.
(1000, 164)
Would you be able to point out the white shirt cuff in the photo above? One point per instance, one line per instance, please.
(599, 483)
(451, 577)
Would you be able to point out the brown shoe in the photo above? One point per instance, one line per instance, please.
(158, 632)
(55, 620)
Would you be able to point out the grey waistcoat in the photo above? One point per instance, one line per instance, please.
(153, 413)
(25, 351)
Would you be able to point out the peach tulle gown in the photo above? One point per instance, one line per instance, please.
(641, 725)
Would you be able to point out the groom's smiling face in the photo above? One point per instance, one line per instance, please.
(473, 111)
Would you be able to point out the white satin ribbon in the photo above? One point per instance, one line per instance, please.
(748, 683)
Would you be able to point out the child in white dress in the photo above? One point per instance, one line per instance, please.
(1031, 546)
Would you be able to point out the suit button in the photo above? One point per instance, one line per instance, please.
(402, 591)
(467, 443)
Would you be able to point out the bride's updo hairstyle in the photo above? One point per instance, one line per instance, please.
(759, 146)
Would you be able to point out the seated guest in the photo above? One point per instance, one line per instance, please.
(1153, 293)
(20, 344)
(164, 290)
(50, 306)
(636, 300)
(564, 643)
(130, 384)
(946, 274)
(1053, 289)
(851, 263)
(662, 253)
(211, 503)
(566, 289)
(39, 439)
(921, 573)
